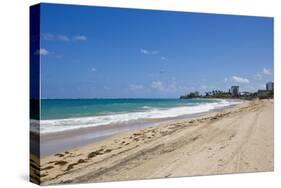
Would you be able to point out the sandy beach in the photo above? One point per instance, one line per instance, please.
(238, 139)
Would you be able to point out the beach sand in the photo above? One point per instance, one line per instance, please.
(238, 139)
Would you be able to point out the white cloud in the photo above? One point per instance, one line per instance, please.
(80, 37)
(266, 71)
(135, 86)
(143, 51)
(157, 85)
(184, 88)
(94, 69)
(249, 88)
(47, 36)
(106, 88)
(225, 80)
(58, 56)
(164, 58)
(63, 38)
(240, 79)
(172, 87)
(148, 52)
(258, 76)
(204, 87)
(41, 51)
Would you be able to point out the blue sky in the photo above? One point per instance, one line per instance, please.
(95, 52)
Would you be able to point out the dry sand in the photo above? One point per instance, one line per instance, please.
(239, 139)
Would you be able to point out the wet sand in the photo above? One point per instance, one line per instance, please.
(238, 139)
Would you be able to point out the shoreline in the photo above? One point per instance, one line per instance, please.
(238, 139)
(51, 143)
(123, 114)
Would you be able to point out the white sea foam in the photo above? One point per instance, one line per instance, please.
(146, 107)
(49, 126)
(34, 125)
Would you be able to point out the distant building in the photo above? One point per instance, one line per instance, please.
(262, 93)
(269, 86)
(190, 95)
(234, 90)
(245, 93)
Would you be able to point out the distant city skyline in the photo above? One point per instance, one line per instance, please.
(98, 52)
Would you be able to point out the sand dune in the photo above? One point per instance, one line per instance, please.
(239, 139)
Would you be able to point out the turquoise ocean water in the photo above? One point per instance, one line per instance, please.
(66, 114)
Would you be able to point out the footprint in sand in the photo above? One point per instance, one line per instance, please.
(221, 162)
(222, 147)
(61, 163)
(107, 150)
(95, 153)
(47, 168)
(59, 155)
(74, 164)
(168, 175)
(231, 136)
(214, 118)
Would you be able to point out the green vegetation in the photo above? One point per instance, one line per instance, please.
(217, 94)
(211, 94)
(266, 95)
(190, 95)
